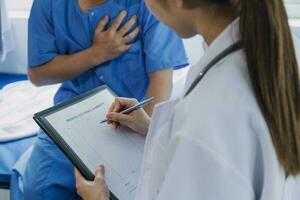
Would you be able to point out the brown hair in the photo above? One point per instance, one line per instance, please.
(273, 69)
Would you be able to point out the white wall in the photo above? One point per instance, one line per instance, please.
(18, 14)
(194, 49)
(19, 5)
(293, 7)
(4, 194)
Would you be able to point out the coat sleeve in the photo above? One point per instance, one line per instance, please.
(197, 172)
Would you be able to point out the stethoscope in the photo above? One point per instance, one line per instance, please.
(234, 47)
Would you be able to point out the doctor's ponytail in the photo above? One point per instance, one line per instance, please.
(273, 68)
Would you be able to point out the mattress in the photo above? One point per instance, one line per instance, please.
(10, 78)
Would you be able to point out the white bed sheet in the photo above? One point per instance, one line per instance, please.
(18, 102)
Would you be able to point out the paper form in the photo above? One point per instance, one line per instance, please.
(120, 151)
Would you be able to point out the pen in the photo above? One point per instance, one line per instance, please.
(134, 108)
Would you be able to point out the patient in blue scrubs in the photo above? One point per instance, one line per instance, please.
(84, 44)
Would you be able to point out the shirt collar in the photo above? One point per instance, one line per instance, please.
(108, 5)
(228, 37)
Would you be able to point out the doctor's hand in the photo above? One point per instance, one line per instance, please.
(138, 120)
(111, 43)
(92, 190)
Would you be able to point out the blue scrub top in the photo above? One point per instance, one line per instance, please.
(59, 27)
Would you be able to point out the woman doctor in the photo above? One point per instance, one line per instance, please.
(235, 133)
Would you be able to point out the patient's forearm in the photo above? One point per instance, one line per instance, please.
(63, 68)
(160, 87)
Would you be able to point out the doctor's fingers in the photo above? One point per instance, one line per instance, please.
(123, 103)
(78, 176)
(111, 108)
(125, 120)
(116, 106)
(99, 174)
(80, 180)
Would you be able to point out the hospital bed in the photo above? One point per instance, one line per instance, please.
(16, 151)
(19, 99)
(8, 148)
(10, 78)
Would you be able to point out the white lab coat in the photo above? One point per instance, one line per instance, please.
(214, 144)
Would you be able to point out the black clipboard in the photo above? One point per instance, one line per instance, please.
(40, 119)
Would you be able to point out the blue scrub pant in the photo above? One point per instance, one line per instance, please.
(49, 175)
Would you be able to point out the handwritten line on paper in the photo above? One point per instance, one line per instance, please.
(84, 113)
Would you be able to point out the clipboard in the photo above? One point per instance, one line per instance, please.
(41, 119)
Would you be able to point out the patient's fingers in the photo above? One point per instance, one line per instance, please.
(127, 26)
(132, 35)
(116, 24)
(101, 26)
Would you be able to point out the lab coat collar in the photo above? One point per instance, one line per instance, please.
(228, 37)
